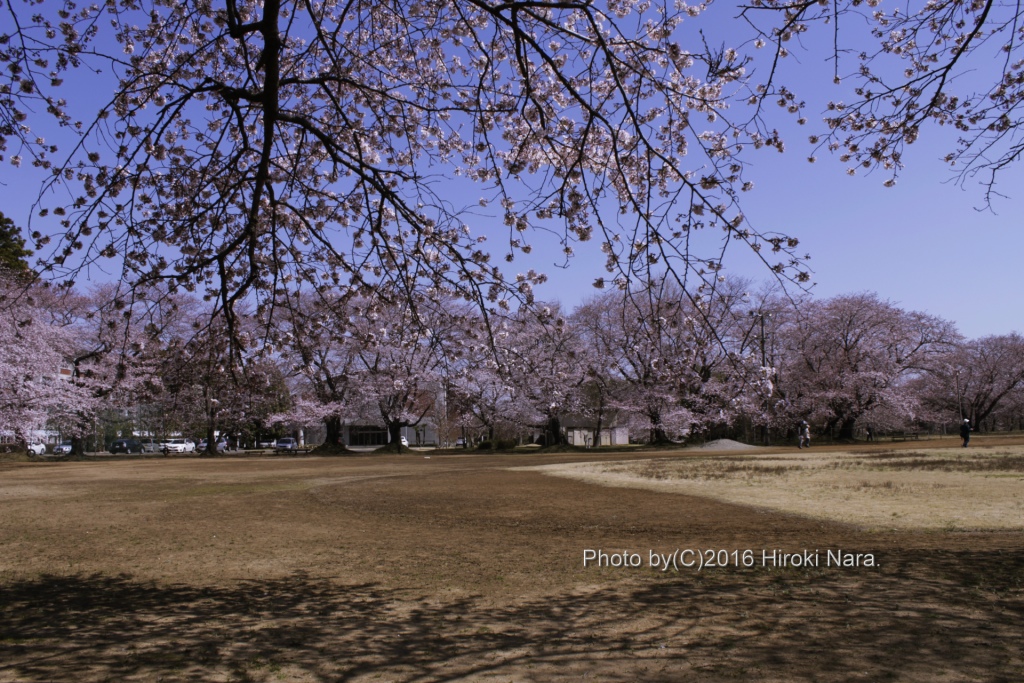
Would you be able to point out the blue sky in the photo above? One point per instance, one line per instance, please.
(923, 244)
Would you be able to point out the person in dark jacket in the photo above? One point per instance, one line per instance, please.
(965, 431)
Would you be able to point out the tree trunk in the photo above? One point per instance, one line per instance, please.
(599, 423)
(211, 437)
(394, 444)
(554, 431)
(846, 429)
(333, 425)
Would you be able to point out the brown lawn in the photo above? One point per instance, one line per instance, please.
(471, 568)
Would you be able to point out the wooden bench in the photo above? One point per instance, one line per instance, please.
(301, 450)
(903, 436)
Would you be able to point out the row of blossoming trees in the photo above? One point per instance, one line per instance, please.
(659, 362)
(727, 362)
(92, 366)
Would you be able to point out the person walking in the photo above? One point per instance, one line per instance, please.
(965, 431)
(804, 432)
(871, 434)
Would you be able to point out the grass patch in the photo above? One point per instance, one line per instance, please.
(961, 464)
(709, 469)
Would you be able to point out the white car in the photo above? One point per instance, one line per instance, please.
(63, 448)
(37, 448)
(178, 446)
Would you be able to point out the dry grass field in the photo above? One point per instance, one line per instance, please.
(471, 568)
(924, 489)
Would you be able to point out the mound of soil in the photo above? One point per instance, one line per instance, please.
(726, 445)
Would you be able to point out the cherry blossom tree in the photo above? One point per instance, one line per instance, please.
(399, 359)
(252, 147)
(669, 359)
(258, 392)
(849, 356)
(34, 349)
(627, 344)
(937, 63)
(319, 353)
(756, 337)
(987, 373)
(115, 352)
(255, 151)
(1009, 414)
(206, 389)
(67, 355)
(481, 394)
(375, 360)
(539, 351)
(249, 147)
(36, 53)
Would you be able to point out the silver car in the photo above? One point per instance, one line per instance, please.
(287, 444)
(151, 445)
(63, 448)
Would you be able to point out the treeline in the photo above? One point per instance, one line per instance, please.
(667, 365)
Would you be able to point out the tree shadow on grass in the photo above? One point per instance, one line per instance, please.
(923, 616)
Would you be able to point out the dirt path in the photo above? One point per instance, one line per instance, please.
(459, 568)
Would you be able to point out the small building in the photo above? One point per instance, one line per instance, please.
(579, 431)
(423, 434)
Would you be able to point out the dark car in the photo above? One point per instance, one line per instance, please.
(126, 446)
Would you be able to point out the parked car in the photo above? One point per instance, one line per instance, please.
(220, 446)
(287, 444)
(63, 448)
(178, 446)
(37, 448)
(150, 445)
(266, 442)
(126, 446)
